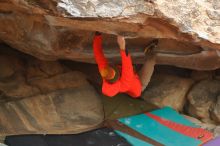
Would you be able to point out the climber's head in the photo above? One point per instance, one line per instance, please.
(110, 73)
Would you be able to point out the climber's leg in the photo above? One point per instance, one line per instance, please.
(148, 67)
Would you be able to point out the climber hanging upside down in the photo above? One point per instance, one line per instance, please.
(115, 79)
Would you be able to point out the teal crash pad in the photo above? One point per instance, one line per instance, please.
(156, 131)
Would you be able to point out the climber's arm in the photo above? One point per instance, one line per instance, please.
(127, 68)
(98, 51)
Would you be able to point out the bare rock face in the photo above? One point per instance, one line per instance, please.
(202, 97)
(207, 126)
(123, 106)
(167, 90)
(215, 110)
(217, 131)
(13, 82)
(188, 31)
(65, 111)
(202, 75)
(200, 18)
(45, 97)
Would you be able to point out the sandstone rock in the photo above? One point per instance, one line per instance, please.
(24, 76)
(218, 74)
(202, 75)
(122, 105)
(188, 32)
(167, 90)
(50, 76)
(6, 67)
(40, 69)
(2, 139)
(208, 121)
(12, 76)
(61, 81)
(21, 90)
(181, 13)
(44, 97)
(72, 110)
(17, 87)
(90, 70)
(217, 131)
(201, 98)
(207, 126)
(194, 120)
(10, 63)
(215, 110)
(34, 72)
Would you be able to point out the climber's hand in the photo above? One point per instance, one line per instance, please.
(121, 42)
(97, 33)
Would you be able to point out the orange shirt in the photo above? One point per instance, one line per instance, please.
(128, 83)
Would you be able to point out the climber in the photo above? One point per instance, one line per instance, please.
(116, 79)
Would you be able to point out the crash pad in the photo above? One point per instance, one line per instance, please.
(165, 126)
(99, 137)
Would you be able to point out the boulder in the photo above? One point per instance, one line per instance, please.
(60, 108)
(42, 69)
(2, 139)
(202, 75)
(167, 90)
(24, 76)
(40, 97)
(65, 111)
(61, 81)
(6, 66)
(217, 74)
(122, 106)
(202, 96)
(188, 31)
(14, 84)
(217, 131)
(215, 110)
(207, 126)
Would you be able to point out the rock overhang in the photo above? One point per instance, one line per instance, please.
(63, 29)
